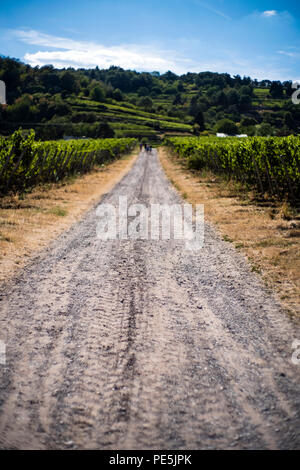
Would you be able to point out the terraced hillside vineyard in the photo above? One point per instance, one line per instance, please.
(114, 102)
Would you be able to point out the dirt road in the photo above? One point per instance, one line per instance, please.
(143, 344)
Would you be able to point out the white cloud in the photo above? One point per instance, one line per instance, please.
(269, 13)
(276, 15)
(64, 52)
(294, 55)
(77, 54)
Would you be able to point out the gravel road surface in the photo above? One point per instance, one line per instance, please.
(143, 344)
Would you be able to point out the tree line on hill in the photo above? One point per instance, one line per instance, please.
(44, 98)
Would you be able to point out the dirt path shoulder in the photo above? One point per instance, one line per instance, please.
(266, 232)
(28, 224)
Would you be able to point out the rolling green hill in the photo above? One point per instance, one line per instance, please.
(122, 103)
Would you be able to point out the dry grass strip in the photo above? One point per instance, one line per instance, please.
(28, 223)
(268, 233)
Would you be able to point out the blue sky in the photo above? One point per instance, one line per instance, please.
(256, 38)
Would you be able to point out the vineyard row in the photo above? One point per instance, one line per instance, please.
(269, 164)
(25, 162)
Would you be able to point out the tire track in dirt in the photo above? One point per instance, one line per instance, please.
(142, 344)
